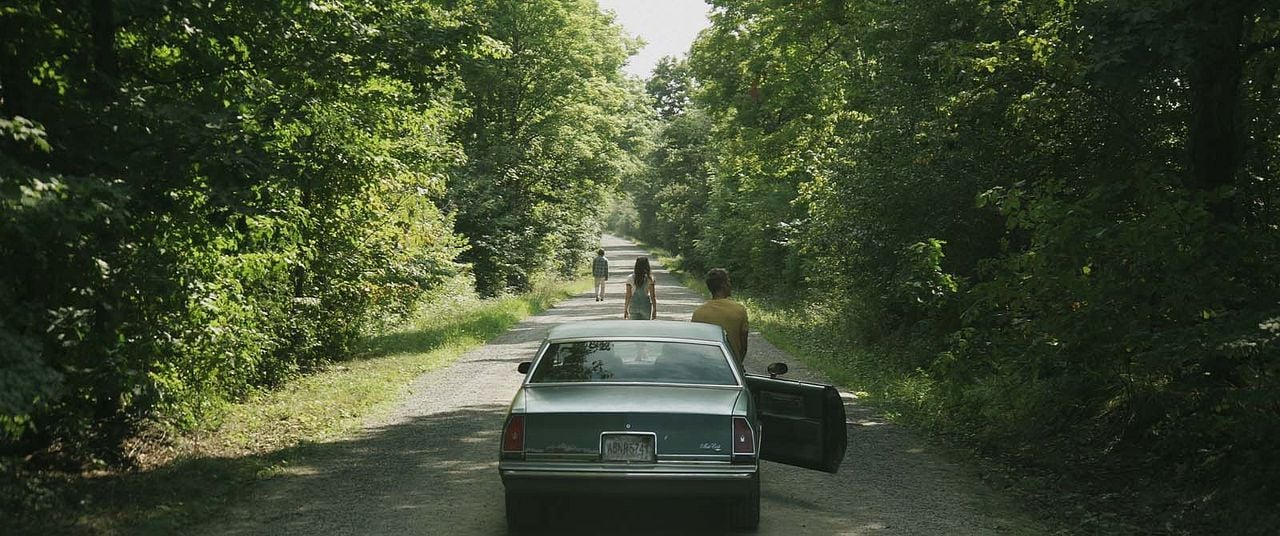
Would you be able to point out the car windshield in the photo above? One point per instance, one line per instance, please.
(634, 361)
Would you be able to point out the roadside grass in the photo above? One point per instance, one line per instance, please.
(1065, 499)
(806, 335)
(907, 398)
(193, 476)
(898, 396)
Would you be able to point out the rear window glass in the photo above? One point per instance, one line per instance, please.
(634, 361)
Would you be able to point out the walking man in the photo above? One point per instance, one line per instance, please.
(724, 312)
(600, 270)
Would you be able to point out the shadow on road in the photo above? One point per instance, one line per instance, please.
(436, 474)
(431, 466)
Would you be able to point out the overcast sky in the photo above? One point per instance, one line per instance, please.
(668, 26)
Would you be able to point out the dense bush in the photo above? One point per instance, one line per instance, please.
(202, 199)
(1058, 218)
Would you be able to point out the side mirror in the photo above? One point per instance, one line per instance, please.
(523, 368)
(777, 369)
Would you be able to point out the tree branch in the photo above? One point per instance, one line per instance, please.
(826, 48)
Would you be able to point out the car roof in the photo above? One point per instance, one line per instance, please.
(625, 329)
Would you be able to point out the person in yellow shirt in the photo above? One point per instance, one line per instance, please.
(724, 312)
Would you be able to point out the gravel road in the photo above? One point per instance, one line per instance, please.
(429, 466)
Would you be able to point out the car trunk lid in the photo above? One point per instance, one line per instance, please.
(685, 421)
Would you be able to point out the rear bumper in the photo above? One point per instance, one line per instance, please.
(611, 479)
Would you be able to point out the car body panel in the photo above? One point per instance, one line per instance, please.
(530, 484)
(803, 422)
(663, 478)
(629, 398)
(687, 421)
(571, 408)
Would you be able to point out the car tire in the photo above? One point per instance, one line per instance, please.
(744, 511)
(524, 511)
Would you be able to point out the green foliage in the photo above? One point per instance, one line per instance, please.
(670, 195)
(621, 216)
(1051, 224)
(201, 200)
(670, 86)
(552, 119)
(269, 430)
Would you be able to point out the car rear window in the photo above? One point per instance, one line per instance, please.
(634, 361)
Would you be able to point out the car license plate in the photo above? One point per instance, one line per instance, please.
(627, 448)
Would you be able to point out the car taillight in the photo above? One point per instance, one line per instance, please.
(513, 435)
(744, 439)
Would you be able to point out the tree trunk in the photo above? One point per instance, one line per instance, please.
(102, 27)
(1215, 137)
(13, 81)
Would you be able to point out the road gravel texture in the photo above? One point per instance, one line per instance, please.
(430, 467)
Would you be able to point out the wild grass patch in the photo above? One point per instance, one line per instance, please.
(190, 477)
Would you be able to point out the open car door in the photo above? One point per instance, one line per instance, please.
(801, 423)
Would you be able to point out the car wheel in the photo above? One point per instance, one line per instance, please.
(744, 511)
(524, 511)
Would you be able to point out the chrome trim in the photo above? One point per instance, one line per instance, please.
(643, 384)
(737, 475)
(530, 467)
(637, 339)
(705, 459)
(695, 458)
(595, 457)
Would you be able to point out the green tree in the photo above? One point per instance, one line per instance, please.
(545, 140)
(1055, 216)
(670, 194)
(670, 87)
(222, 194)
